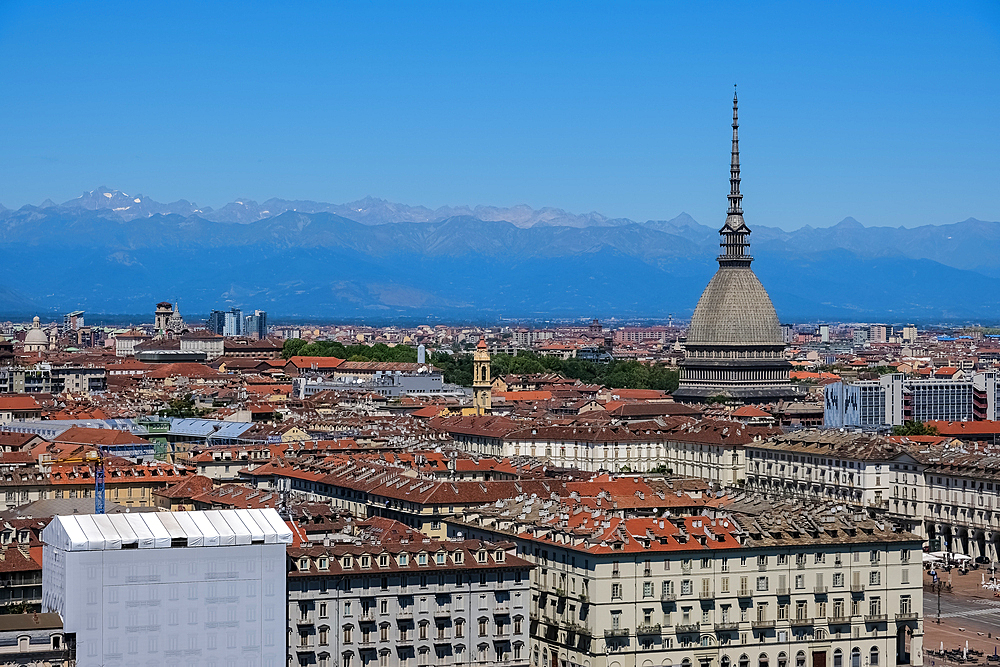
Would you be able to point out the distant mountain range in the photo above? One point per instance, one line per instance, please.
(110, 252)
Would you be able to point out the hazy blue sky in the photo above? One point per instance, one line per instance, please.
(886, 112)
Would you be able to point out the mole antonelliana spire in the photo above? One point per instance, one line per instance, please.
(734, 346)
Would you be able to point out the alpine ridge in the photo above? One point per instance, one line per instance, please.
(372, 257)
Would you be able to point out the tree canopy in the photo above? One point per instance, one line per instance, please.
(296, 347)
(914, 428)
(615, 374)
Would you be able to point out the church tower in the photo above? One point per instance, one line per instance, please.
(481, 381)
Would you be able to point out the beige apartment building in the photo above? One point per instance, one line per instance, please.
(769, 586)
(945, 489)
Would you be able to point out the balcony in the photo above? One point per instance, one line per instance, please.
(761, 625)
(404, 612)
(908, 616)
(614, 633)
(800, 566)
(706, 595)
(305, 621)
(560, 592)
(876, 618)
(744, 593)
(366, 643)
(838, 620)
(440, 612)
(801, 622)
(687, 628)
(367, 616)
(782, 591)
(726, 626)
(648, 629)
(501, 609)
(668, 597)
(820, 590)
(761, 568)
(405, 641)
(578, 629)
(857, 588)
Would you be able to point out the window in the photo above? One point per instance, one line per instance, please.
(616, 591)
(647, 589)
(322, 610)
(687, 587)
(762, 584)
(459, 628)
(483, 629)
(873, 556)
(324, 635)
(875, 606)
(423, 629)
(873, 657)
(347, 634)
(905, 604)
(838, 578)
(875, 578)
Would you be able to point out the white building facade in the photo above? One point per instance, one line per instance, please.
(186, 588)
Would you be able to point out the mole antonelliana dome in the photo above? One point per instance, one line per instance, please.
(734, 309)
(734, 346)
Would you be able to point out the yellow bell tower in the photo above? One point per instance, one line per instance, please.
(481, 381)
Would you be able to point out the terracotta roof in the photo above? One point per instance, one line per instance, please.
(750, 411)
(18, 402)
(192, 486)
(319, 363)
(960, 429)
(188, 370)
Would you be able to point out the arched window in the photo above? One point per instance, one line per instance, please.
(782, 659)
(856, 657)
(873, 657)
(725, 662)
(800, 659)
(744, 660)
(762, 660)
(838, 658)
(686, 662)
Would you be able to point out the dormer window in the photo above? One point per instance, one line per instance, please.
(348, 561)
(459, 557)
(366, 561)
(421, 559)
(323, 563)
(303, 563)
(440, 558)
(498, 555)
(481, 556)
(404, 560)
(383, 560)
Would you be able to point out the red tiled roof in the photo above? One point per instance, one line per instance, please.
(18, 402)
(315, 362)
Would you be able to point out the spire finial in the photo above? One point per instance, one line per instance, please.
(735, 232)
(734, 167)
